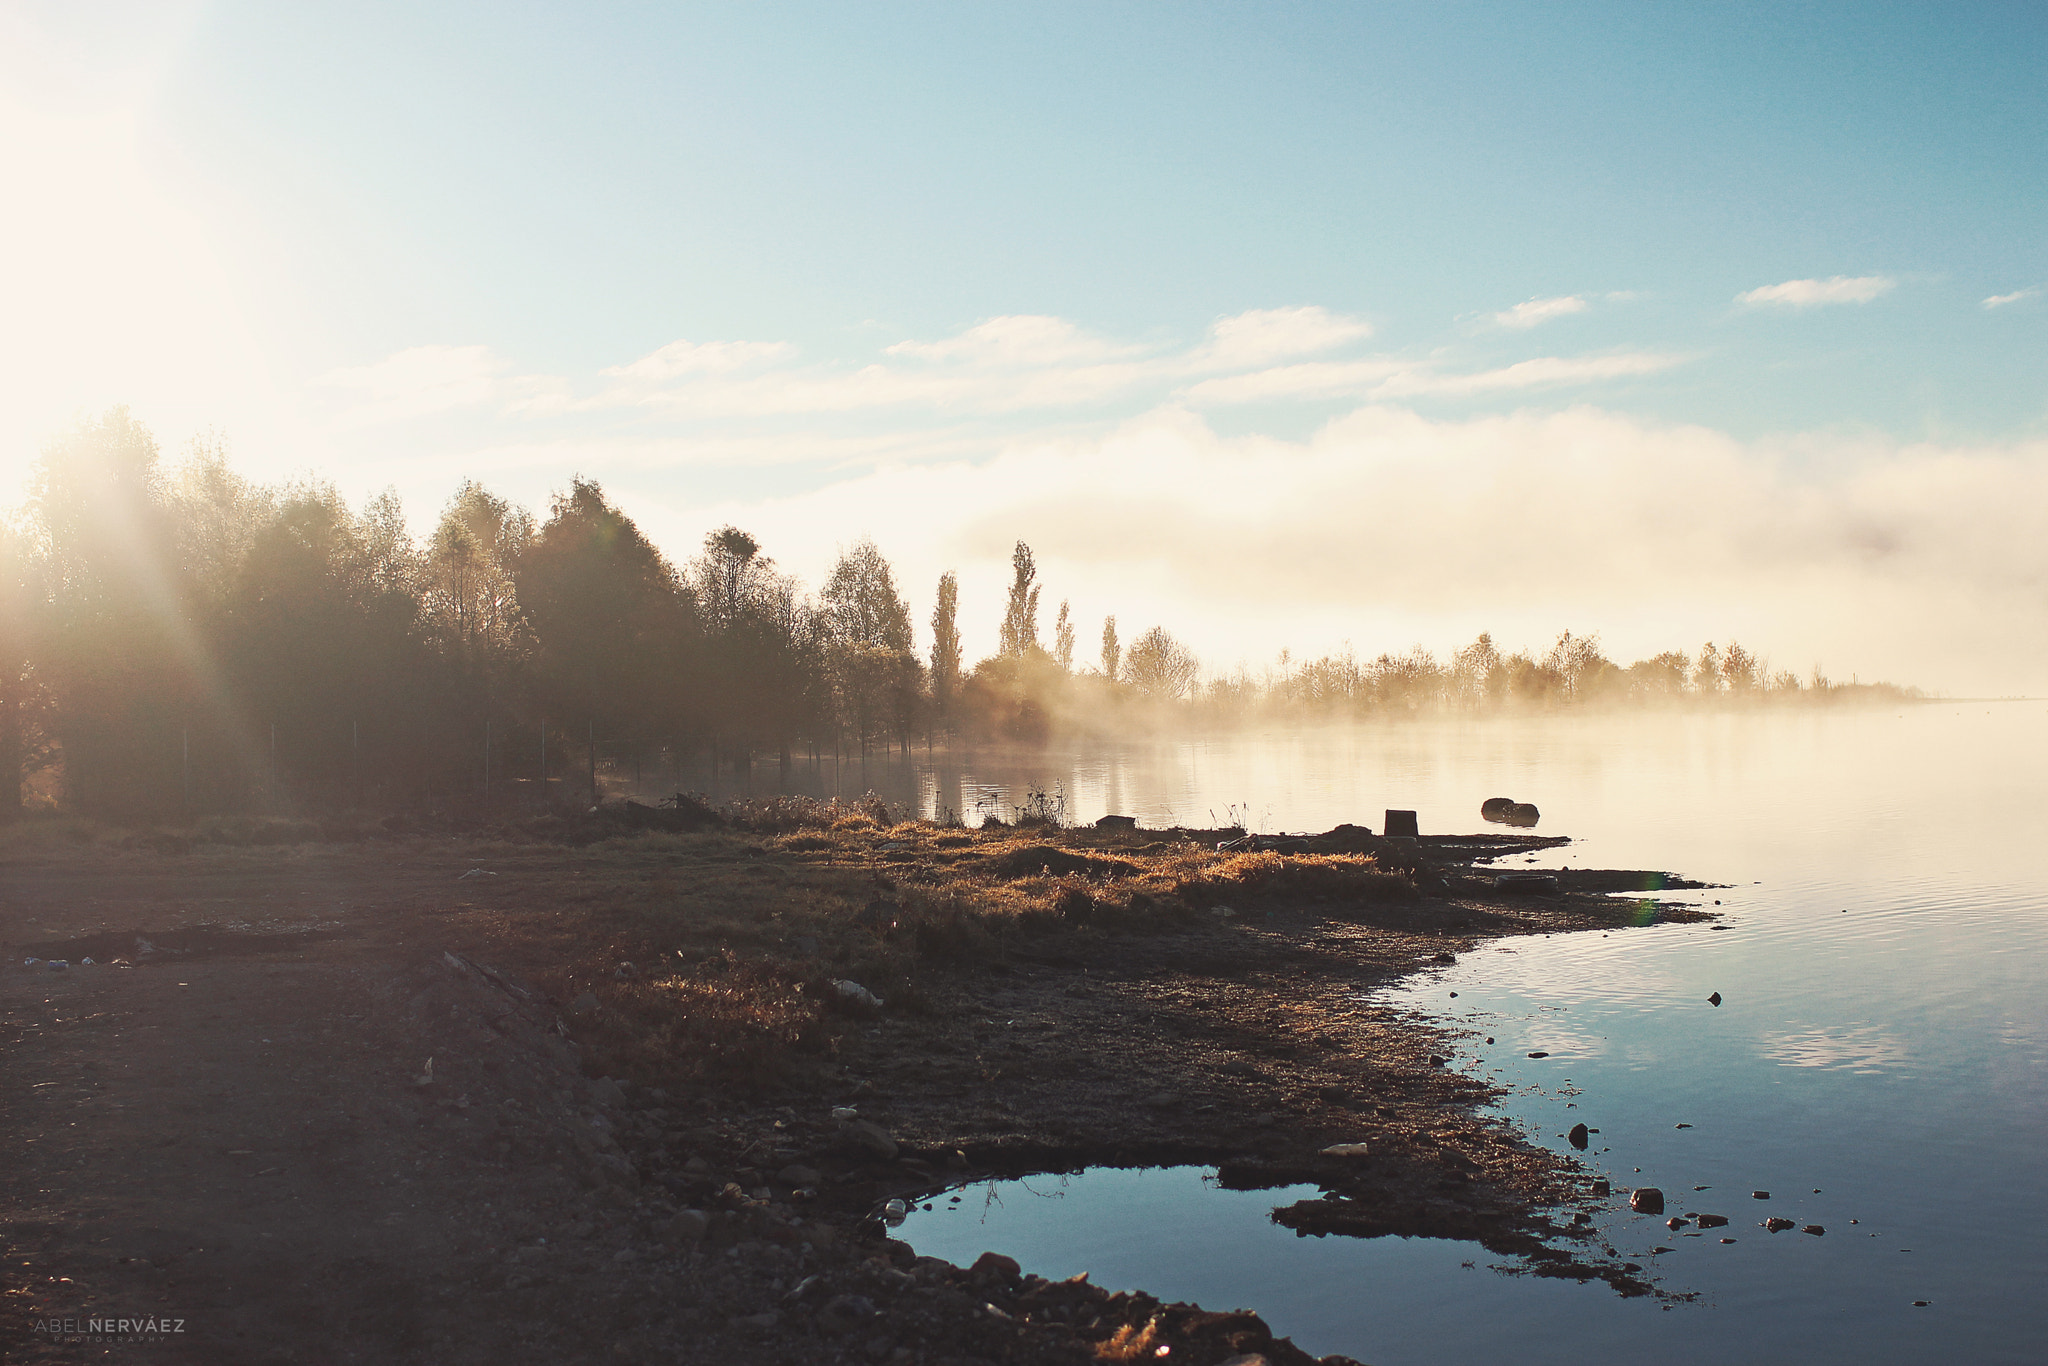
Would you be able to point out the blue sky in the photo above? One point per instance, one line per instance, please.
(830, 269)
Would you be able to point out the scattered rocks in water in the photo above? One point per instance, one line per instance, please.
(1675, 1222)
(1601, 1187)
(1715, 999)
(1777, 1224)
(1815, 1229)
(1646, 1200)
(1711, 1220)
(1577, 1137)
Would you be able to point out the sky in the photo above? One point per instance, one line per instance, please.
(1284, 326)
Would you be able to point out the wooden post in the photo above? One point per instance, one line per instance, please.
(487, 761)
(355, 760)
(188, 770)
(543, 763)
(591, 741)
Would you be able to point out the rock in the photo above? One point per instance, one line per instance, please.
(843, 1112)
(798, 1175)
(1759, 1195)
(1117, 823)
(1711, 1220)
(607, 1092)
(1437, 1061)
(870, 1139)
(1523, 815)
(996, 1264)
(625, 972)
(854, 994)
(1496, 809)
(1715, 999)
(1539, 1053)
(1776, 1224)
(842, 1313)
(1582, 1218)
(1815, 1229)
(1646, 1200)
(688, 1227)
(1601, 1187)
(1348, 1150)
(1577, 1137)
(1674, 1222)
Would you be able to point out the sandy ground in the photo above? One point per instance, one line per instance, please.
(337, 1102)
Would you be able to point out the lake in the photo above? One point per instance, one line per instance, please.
(1879, 1062)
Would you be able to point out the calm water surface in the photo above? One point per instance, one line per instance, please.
(1881, 1054)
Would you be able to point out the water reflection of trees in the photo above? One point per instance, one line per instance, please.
(178, 640)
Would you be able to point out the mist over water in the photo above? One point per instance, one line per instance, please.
(1881, 1054)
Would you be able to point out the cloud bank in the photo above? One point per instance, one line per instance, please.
(1389, 527)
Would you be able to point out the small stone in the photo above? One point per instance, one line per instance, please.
(1436, 1061)
(1715, 999)
(1582, 1218)
(844, 1312)
(1681, 1126)
(586, 1004)
(1674, 1222)
(1759, 1195)
(1646, 1200)
(1600, 1187)
(1539, 1053)
(1711, 1220)
(1578, 1136)
(796, 1174)
(1919, 1304)
(1815, 1229)
(996, 1264)
(869, 1138)
(689, 1226)
(1348, 1150)
(1727, 1240)
(1777, 1224)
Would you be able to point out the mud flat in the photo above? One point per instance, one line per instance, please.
(639, 1086)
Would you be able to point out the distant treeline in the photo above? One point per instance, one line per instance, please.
(182, 640)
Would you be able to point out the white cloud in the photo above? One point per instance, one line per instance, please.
(1015, 340)
(681, 358)
(1837, 289)
(1530, 312)
(2001, 300)
(1539, 373)
(1264, 335)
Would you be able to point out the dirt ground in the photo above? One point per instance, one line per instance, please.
(469, 1097)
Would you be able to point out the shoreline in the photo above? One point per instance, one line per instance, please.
(638, 1048)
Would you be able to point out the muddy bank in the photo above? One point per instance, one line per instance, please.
(501, 1096)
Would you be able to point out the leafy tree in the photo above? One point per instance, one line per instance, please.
(1159, 666)
(1112, 650)
(615, 631)
(1019, 634)
(874, 671)
(945, 671)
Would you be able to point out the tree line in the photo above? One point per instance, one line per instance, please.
(180, 639)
